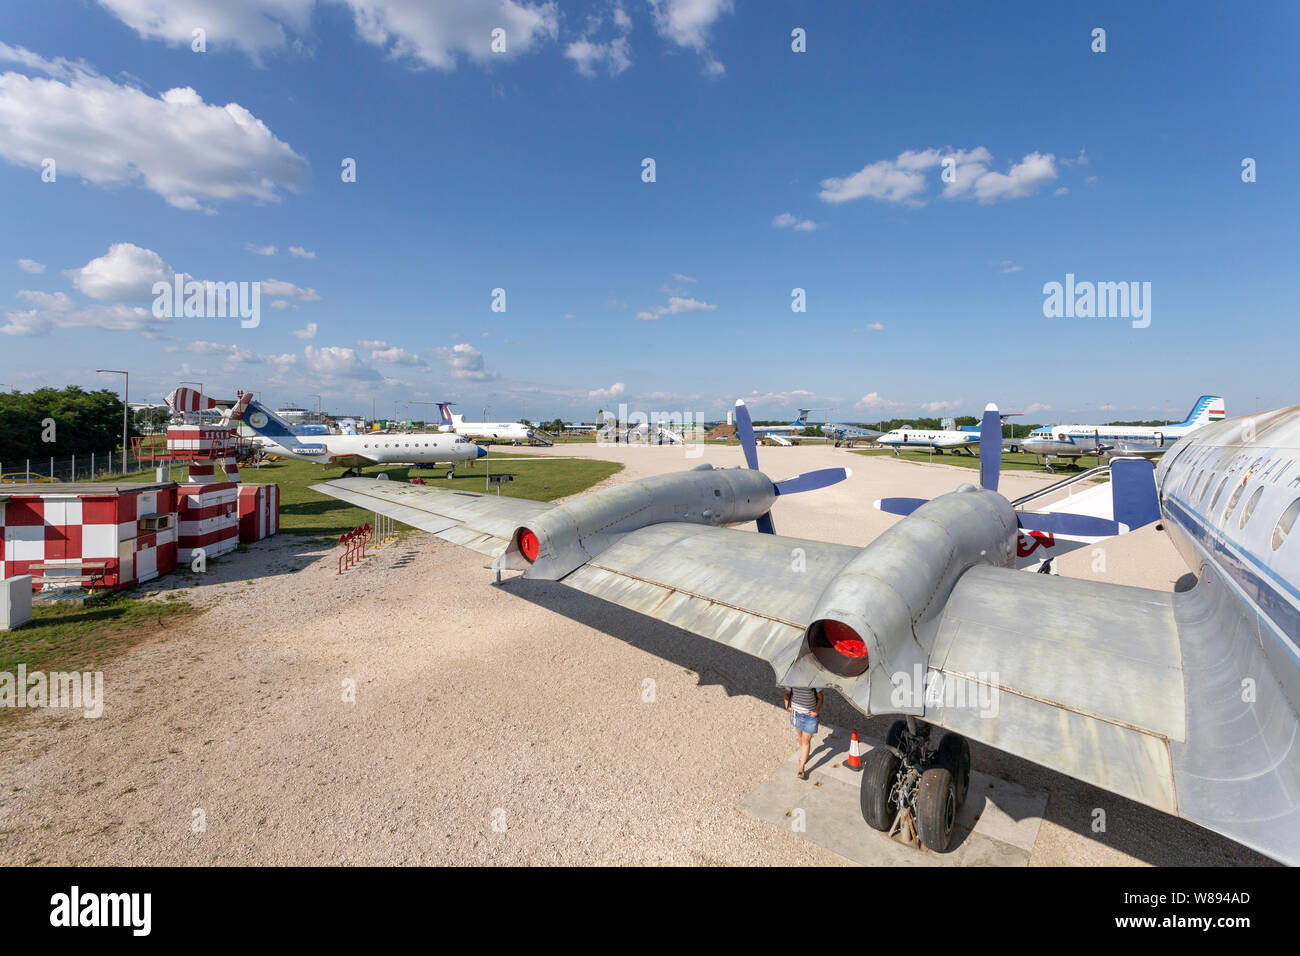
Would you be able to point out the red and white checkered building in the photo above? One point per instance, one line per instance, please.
(127, 532)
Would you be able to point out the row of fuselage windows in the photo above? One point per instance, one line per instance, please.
(1200, 483)
(459, 441)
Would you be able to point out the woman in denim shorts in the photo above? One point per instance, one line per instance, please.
(804, 704)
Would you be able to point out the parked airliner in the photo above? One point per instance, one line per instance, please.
(1074, 441)
(277, 437)
(514, 432)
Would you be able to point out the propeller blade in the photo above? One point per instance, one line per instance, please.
(990, 447)
(1081, 526)
(811, 481)
(765, 525)
(899, 506)
(745, 432)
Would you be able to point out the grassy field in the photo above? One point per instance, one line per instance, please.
(307, 512)
(1018, 462)
(83, 638)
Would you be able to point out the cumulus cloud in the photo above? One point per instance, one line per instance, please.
(175, 145)
(677, 305)
(31, 265)
(235, 355)
(301, 253)
(589, 53)
(877, 402)
(126, 273)
(116, 317)
(681, 278)
(1034, 407)
(465, 361)
(1006, 267)
(904, 180)
(261, 250)
(395, 356)
(790, 221)
(288, 290)
(876, 327)
(950, 406)
(308, 331)
(337, 362)
(688, 23)
(284, 305)
(617, 390)
(372, 344)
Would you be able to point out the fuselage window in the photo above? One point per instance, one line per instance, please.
(1233, 499)
(1214, 502)
(1249, 510)
(1285, 523)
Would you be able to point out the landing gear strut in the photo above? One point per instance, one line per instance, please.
(351, 473)
(912, 787)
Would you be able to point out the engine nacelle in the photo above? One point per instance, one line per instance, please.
(873, 620)
(571, 534)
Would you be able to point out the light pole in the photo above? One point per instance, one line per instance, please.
(126, 397)
(319, 417)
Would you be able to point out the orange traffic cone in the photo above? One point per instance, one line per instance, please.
(855, 755)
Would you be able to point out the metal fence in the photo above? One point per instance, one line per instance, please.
(76, 468)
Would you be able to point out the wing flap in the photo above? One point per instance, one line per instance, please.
(753, 592)
(1079, 676)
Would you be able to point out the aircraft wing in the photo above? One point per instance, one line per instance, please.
(735, 587)
(1122, 687)
(481, 522)
(351, 461)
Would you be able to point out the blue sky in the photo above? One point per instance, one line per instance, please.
(775, 170)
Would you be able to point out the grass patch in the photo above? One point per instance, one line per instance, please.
(307, 512)
(1017, 462)
(83, 638)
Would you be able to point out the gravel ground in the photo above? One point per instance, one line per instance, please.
(489, 724)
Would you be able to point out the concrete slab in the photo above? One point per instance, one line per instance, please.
(996, 826)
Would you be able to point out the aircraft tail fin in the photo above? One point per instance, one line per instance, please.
(1208, 408)
(262, 421)
(444, 411)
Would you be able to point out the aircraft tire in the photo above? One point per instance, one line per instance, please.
(879, 769)
(451, 474)
(936, 809)
(895, 733)
(954, 753)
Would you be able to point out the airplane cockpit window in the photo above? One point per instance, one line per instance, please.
(1285, 523)
(1249, 510)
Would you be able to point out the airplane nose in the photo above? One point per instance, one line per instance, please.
(482, 452)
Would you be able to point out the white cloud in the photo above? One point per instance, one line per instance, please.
(1061, 191)
(687, 23)
(677, 305)
(1035, 407)
(905, 179)
(1006, 267)
(681, 278)
(109, 134)
(395, 356)
(589, 54)
(283, 305)
(465, 361)
(372, 344)
(790, 221)
(261, 250)
(31, 265)
(431, 33)
(288, 290)
(951, 406)
(308, 331)
(334, 362)
(301, 253)
(617, 390)
(52, 302)
(126, 273)
(115, 317)
(235, 355)
(875, 401)
(876, 327)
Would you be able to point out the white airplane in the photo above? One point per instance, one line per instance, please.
(274, 435)
(794, 428)
(1074, 441)
(937, 439)
(514, 432)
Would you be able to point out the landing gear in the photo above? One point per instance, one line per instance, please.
(351, 473)
(909, 786)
